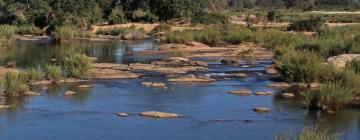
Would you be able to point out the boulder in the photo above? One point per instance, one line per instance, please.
(341, 60)
(279, 85)
(123, 114)
(84, 86)
(262, 93)
(69, 93)
(288, 95)
(153, 84)
(262, 109)
(241, 92)
(156, 114)
(191, 78)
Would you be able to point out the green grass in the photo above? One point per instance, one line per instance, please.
(29, 30)
(354, 65)
(33, 74)
(119, 31)
(77, 65)
(7, 34)
(65, 33)
(53, 72)
(14, 84)
(308, 134)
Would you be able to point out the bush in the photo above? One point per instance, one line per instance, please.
(65, 33)
(14, 84)
(237, 37)
(210, 37)
(354, 65)
(309, 134)
(53, 72)
(77, 65)
(32, 74)
(299, 66)
(116, 17)
(274, 15)
(7, 34)
(161, 28)
(312, 24)
(330, 97)
(209, 18)
(119, 31)
(29, 29)
(180, 37)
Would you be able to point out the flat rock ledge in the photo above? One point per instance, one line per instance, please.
(191, 78)
(156, 114)
(244, 92)
(98, 73)
(261, 109)
(341, 60)
(264, 93)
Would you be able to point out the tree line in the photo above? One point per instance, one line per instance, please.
(83, 13)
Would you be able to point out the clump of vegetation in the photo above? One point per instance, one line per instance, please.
(119, 31)
(14, 84)
(330, 97)
(29, 29)
(180, 36)
(312, 24)
(210, 37)
(274, 15)
(33, 74)
(65, 33)
(237, 37)
(77, 65)
(299, 66)
(309, 134)
(180, 53)
(53, 72)
(7, 34)
(354, 65)
(209, 18)
(161, 28)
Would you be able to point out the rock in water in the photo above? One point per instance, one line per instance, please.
(288, 95)
(69, 93)
(85, 86)
(123, 114)
(261, 109)
(241, 92)
(156, 114)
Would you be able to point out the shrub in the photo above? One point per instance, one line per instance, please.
(65, 33)
(116, 17)
(29, 29)
(354, 65)
(53, 72)
(312, 24)
(299, 66)
(330, 97)
(7, 34)
(274, 15)
(237, 37)
(14, 84)
(33, 74)
(180, 37)
(209, 18)
(210, 37)
(309, 134)
(119, 31)
(161, 28)
(77, 65)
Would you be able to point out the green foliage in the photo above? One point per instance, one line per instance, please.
(116, 17)
(77, 65)
(274, 15)
(312, 24)
(65, 33)
(330, 97)
(354, 65)
(161, 28)
(210, 18)
(212, 37)
(180, 36)
(33, 74)
(309, 134)
(14, 84)
(236, 36)
(53, 72)
(7, 34)
(119, 31)
(28, 29)
(299, 66)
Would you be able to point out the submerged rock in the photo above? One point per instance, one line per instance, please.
(262, 109)
(156, 114)
(74, 80)
(153, 84)
(123, 114)
(31, 93)
(191, 78)
(241, 92)
(228, 61)
(69, 93)
(288, 95)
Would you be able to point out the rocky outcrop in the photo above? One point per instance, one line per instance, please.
(341, 60)
(241, 92)
(154, 84)
(97, 73)
(191, 78)
(156, 114)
